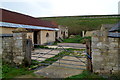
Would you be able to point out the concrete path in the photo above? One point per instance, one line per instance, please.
(76, 45)
(60, 72)
(37, 54)
(69, 45)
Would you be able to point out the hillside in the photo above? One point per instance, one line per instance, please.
(76, 24)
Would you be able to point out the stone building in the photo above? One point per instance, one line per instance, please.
(40, 31)
(106, 49)
(62, 33)
(89, 33)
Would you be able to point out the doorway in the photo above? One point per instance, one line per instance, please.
(35, 37)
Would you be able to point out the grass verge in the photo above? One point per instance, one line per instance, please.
(11, 72)
(76, 39)
(86, 75)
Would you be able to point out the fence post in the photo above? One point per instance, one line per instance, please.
(89, 55)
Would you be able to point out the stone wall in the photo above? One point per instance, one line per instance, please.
(89, 33)
(63, 32)
(105, 52)
(19, 47)
(7, 47)
(14, 48)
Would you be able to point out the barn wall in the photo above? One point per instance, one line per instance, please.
(30, 36)
(63, 32)
(7, 30)
(49, 39)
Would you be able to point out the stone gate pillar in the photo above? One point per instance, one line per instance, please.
(105, 53)
(20, 53)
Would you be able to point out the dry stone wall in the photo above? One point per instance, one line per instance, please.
(6, 48)
(19, 47)
(14, 49)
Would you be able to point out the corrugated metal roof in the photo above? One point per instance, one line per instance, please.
(5, 24)
(18, 18)
(6, 35)
(114, 35)
(115, 28)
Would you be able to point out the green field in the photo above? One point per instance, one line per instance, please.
(76, 24)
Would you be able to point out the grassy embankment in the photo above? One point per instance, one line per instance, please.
(76, 24)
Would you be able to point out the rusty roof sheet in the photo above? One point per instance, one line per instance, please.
(18, 18)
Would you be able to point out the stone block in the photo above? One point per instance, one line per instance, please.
(96, 71)
(95, 39)
(18, 60)
(105, 71)
(99, 45)
(115, 71)
(98, 58)
(115, 68)
(20, 57)
(96, 53)
(108, 67)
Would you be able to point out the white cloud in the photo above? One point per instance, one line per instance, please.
(83, 7)
(66, 7)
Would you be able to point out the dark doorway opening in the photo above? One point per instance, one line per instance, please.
(56, 34)
(35, 37)
(64, 35)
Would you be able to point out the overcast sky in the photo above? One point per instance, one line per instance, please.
(48, 8)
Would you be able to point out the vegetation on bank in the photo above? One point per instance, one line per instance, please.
(9, 71)
(76, 24)
(88, 75)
